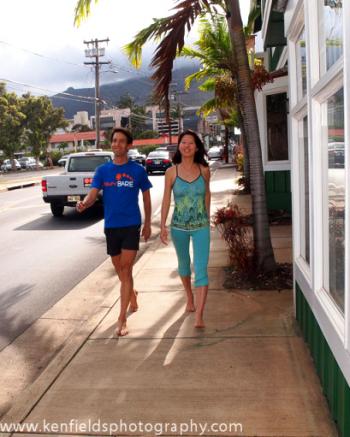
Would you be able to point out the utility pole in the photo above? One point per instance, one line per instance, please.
(96, 52)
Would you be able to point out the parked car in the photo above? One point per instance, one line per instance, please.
(29, 163)
(74, 183)
(158, 160)
(215, 152)
(62, 161)
(7, 165)
(136, 156)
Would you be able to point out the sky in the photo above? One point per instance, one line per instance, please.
(46, 27)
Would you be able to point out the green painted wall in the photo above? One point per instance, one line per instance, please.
(335, 387)
(278, 192)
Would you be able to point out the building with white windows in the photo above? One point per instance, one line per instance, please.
(304, 121)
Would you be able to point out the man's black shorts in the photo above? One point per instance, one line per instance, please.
(122, 238)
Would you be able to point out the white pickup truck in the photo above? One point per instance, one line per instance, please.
(73, 184)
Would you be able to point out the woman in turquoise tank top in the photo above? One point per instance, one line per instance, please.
(189, 179)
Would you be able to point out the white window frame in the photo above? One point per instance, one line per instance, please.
(299, 109)
(346, 80)
(302, 240)
(280, 85)
(335, 326)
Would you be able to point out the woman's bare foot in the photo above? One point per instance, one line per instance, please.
(199, 323)
(121, 328)
(133, 307)
(190, 306)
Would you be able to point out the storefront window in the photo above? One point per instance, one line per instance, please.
(331, 32)
(277, 132)
(301, 61)
(304, 190)
(336, 197)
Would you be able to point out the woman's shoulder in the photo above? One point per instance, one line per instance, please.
(171, 172)
(205, 170)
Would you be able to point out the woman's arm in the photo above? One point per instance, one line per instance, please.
(206, 175)
(169, 178)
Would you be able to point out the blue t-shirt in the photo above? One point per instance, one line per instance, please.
(121, 185)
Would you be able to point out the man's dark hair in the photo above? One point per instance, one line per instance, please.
(123, 131)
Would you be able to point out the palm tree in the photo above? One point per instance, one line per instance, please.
(213, 50)
(170, 31)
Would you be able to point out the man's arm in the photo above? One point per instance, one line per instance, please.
(88, 201)
(147, 205)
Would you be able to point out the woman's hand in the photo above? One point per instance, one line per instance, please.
(164, 235)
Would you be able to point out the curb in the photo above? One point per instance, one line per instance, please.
(18, 186)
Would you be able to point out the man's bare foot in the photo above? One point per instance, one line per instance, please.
(199, 323)
(133, 307)
(121, 328)
(190, 306)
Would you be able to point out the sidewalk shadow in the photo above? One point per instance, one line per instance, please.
(26, 349)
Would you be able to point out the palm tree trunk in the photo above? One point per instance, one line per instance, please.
(262, 240)
(226, 144)
(246, 168)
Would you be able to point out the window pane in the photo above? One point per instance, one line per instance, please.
(304, 190)
(277, 135)
(332, 33)
(87, 163)
(336, 197)
(301, 62)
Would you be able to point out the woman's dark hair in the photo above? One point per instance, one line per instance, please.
(200, 154)
(123, 131)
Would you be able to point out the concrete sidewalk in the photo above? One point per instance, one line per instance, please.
(249, 366)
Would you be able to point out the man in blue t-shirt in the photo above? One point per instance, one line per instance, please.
(121, 181)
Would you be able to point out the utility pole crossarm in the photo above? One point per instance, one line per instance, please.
(96, 52)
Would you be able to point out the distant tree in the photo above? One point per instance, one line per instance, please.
(11, 123)
(62, 146)
(81, 128)
(106, 142)
(149, 134)
(126, 101)
(42, 119)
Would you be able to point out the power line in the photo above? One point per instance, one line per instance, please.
(40, 55)
(16, 88)
(93, 99)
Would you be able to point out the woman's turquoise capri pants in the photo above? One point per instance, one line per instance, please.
(201, 246)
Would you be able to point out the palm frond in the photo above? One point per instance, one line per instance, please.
(174, 28)
(254, 13)
(189, 52)
(82, 11)
(198, 76)
(208, 85)
(134, 49)
(208, 107)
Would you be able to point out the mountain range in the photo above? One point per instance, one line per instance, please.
(139, 88)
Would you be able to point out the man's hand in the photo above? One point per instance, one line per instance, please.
(146, 232)
(164, 235)
(80, 206)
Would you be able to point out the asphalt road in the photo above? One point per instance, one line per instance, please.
(42, 257)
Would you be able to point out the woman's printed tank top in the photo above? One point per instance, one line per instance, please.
(190, 212)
